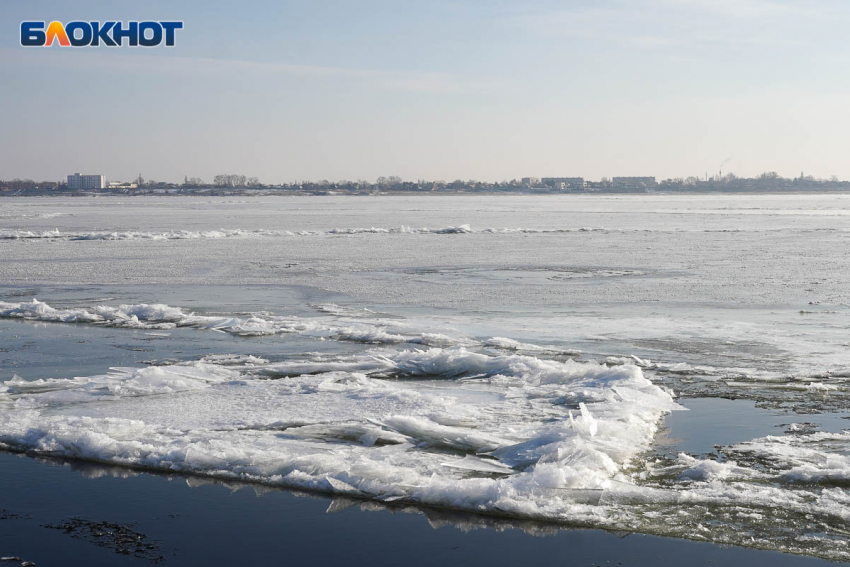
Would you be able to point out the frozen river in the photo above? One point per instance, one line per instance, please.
(669, 365)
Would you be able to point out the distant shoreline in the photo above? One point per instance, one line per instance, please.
(286, 193)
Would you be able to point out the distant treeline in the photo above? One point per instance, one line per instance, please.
(771, 181)
(242, 184)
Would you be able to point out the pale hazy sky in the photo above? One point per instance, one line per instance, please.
(490, 90)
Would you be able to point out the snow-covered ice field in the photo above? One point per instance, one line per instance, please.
(528, 357)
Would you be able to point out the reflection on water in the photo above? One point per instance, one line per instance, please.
(436, 517)
(716, 422)
(203, 521)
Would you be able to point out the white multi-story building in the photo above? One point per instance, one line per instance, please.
(78, 181)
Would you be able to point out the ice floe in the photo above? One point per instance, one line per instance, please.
(527, 433)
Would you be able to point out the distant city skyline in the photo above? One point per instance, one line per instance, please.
(494, 90)
(97, 180)
(224, 184)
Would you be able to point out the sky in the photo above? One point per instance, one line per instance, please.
(439, 90)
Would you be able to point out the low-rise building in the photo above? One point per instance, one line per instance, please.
(633, 182)
(564, 183)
